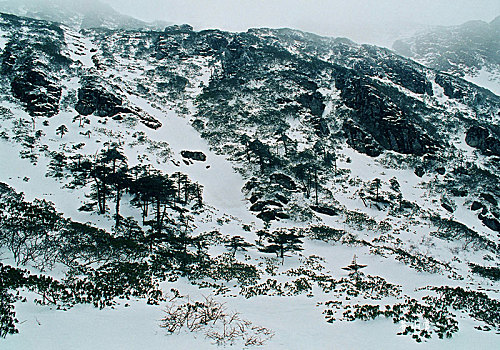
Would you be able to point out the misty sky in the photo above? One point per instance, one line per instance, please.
(372, 21)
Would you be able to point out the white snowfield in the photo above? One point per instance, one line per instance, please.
(297, 321)
(487, 78)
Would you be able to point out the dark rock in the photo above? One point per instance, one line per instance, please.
(261, 205)
(476, 137)
(419, 171)
(269, 215)
(360, 140)
(479, 137)
(448, 207)
(39, 95)
(493, 145)
(476, 205)
(451, 89)
(282, 215)
(405, 74)
(254, 198)
(441, 170)
(457, 192)
(282, 198)
(490, 222)
(94, 99)
(323, 210)
(284, 181)
(313, 102)
(194, 155)
(381, 118)
(489, 197)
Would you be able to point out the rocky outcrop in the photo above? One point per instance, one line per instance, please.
(490, 222)
(270, 215)
(451, 89)
(96, 100)
(480, 138)
(284, 181)
(489, 198)
(324, 210)
(194, 155)
(39, 95)
(476, 206)
(360, 140)
(261, 205)
(313, 102)
(382, 119)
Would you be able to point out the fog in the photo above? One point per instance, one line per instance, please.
(372, 21)
(378, 22)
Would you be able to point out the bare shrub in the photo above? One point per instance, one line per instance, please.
(213, 319)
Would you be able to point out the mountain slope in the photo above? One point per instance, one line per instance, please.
(316, 149)
(80, 14)
(470, 50)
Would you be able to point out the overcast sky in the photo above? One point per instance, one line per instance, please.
(372, 21)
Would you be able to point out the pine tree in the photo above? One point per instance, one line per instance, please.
(282, 241)
(376, 184)
(236, 243)
(61, 130)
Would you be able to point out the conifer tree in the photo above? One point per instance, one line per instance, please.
(61, 130)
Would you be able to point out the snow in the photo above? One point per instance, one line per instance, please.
(84, 327)
(79, 47)
(4, 39)
(487, 78)
(297, 321)
(222, 185)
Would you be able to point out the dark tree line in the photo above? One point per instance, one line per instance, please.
(280, 241)
(152, 192)
(307, 166)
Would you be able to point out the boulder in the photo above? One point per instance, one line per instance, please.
(490, 222)
(419, 171)
(95, 100)
(476, 206)
(194, 155)
(284, 181)
(261, 205)
(324, 210)
(479, 137)
(282, 198)
(269, 215)
(476, 137)
(489, 198)
(441, 170)
(448, 207)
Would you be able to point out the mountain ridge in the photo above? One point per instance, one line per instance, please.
(82, 15)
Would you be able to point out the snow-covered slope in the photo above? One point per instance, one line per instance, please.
(79, 14)
(311, 150)
(469, 51)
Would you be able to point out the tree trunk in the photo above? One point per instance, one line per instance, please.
(316, 184)
(117, 207)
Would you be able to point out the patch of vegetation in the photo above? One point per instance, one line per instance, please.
(492, 272)
(325, 233)
(431, 315)
(214, 321)
(451, 229)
